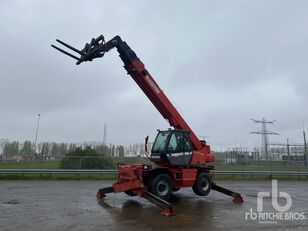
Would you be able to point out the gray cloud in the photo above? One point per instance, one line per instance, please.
(221, 63)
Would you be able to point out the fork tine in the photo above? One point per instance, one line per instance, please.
(65, 52)
(69, 46)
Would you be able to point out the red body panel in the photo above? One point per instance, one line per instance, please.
(183, 177)
(131, 177)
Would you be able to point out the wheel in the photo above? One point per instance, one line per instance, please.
(174, 189)
(130, 193)
(161, 186)
(203, 184)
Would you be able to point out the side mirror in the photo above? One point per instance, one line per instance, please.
(146, 146)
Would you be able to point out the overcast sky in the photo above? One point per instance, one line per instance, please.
(220, 63)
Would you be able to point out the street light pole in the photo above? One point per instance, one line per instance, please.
(305, 146)
(37, 128)
(305, 149)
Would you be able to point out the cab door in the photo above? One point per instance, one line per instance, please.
(178, 150)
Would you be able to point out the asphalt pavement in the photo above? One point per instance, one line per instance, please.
(72, 205)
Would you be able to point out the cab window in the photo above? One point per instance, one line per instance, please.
(160, 141)
(176, 142)
(187, 143)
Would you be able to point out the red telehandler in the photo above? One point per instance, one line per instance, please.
(180, 158)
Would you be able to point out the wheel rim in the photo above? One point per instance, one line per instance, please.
(204, 184)
(162, 188)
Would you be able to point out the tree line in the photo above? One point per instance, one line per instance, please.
(53, 149)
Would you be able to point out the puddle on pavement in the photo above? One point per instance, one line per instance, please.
(10, 202)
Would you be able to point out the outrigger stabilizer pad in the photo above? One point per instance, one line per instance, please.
(237, 198)
(101, 192)
(167, 208)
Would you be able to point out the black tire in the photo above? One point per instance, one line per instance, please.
(203, 184)
(130, 193)
(174, 189)
(161, 186)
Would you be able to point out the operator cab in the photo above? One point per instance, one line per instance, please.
(172, 147)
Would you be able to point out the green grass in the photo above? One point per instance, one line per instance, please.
(278, 166)
(55, 164)
(257, 177)
(64, 176)
(45, 164)
(131, 160)
(260, 168)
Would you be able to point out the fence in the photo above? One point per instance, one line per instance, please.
(98, 163)
(267, 174)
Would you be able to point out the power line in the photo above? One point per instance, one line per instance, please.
(265, 133)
